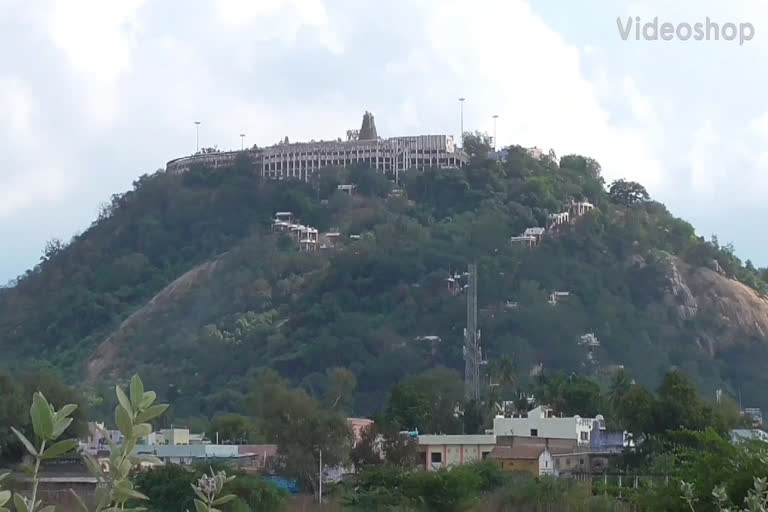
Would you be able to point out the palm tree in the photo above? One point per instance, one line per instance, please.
(503, 375)
(620, 385)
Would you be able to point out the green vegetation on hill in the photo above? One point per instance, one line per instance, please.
(181, 280)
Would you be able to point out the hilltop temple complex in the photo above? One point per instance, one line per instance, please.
(364, 146)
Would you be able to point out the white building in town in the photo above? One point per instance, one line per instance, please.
(542, 422)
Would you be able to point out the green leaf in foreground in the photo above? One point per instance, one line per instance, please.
(124, 401)
(60, 448)
(123, 421)
(42, 416)
(151, 413)
(20, 503)
(27, 444)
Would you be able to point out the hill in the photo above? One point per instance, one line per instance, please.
(182, 279)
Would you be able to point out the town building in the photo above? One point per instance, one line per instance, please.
(357, 425)
(748, 434)
(542, 422)
(362, 147)
(577, 209)
(535, 455)
(535, 232)
(535, 153)
(528, 241)
(585, 461)
(555, 220)
(755, 415)
(58, 477)
(346, 188)
(245, 456)
(560, 456)
(439, 451)
(556, 296)
(175, 436)
(536, 460)
(307, 238)
(582, 463)
(99, 437)
(529, 238)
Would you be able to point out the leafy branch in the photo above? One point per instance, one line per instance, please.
(208, 489)
(132, 415)
(48, 425)
(5, 496)
(115, 489)
(756, 500)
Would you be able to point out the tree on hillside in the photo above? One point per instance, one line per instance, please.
(635, 412)
(477, 144)
(15, 393)
(627, 193)
(380, 443)
(428, 402)
(369, 182)
(473, 417)
(232, 428)
(569, 394)
(300, 427)
(367, 451)
(53, 248)
(583, 164)
(621, 384)
(327, 180)
(13, 412)
(340, 393)
(503, 372)
(400, 449)
(678, 405)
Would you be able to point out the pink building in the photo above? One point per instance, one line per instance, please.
(357, 425)
(256, 456)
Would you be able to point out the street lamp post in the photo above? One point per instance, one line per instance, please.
(461, 135)
(495, 117)
(320, 494)
(242, 141)
(197, 136)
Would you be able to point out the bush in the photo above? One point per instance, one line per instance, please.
(389, 487)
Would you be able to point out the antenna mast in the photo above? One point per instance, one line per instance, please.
(472, 351)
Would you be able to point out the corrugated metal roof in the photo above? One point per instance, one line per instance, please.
(200, 451)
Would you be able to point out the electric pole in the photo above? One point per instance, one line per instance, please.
(472, 351)
(197, 136)
(320, 494)
(495, 117)
(242, 141)
(461, 134)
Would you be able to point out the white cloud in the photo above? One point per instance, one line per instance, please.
(507, 60)
(23, 190)
(701, 156)
(760, 126)
(16, 106)
(98, 38)
(278, 19)
(27, 174)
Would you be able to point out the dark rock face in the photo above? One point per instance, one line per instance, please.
(368, 128)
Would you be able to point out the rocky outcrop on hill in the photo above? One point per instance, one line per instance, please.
(737, 310)
(677, 294)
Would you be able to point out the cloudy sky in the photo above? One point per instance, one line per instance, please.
(95, 93)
